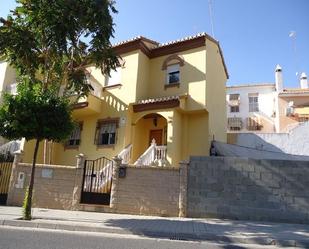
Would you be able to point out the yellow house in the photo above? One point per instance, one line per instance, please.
(165, 103)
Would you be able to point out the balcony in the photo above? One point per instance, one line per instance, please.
(254, 124)
(299, 114)
(234, 124)
(86, 105)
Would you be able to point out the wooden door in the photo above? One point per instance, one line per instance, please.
(157, 135)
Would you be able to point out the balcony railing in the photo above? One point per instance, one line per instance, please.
(153, 156)
(254, 124)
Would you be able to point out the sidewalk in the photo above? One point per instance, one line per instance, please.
(249, 232)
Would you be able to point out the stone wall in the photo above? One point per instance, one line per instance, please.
(240, 188)
(55, 186)
(147, 191)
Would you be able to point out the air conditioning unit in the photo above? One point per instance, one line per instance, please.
(289, 111)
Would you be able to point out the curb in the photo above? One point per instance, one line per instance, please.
(154, 234)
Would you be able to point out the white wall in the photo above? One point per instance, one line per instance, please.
(266, 95)
(7, 76)
(296, 142)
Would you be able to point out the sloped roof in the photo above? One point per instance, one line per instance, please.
(252, 85)
(154, 49)
(159, 99)
(294, 91)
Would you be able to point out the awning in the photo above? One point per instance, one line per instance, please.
(157, 103)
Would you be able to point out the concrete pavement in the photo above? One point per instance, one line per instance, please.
(249, 232)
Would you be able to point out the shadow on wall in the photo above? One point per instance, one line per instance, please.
(269, 123)
(247, 189)
(216, 230)
(254, 141)
(113, 102)
(296, 142)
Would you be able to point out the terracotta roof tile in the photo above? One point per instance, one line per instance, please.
(161, 49)
(158, 45)
(295, 91)
(156, 100)
(187, 38)
(252, 85)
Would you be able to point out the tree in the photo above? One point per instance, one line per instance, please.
(54, 41)
(51, 43)
(35, 114)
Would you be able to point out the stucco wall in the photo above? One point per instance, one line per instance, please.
(61, 191)
(215, 92)
(192, 78)
(296, 142)
(113, 108)
(240, 188)
(148, 191)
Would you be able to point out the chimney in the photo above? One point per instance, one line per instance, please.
(303, 81)
(278, 78)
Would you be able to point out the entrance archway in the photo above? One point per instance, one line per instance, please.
(149, 127)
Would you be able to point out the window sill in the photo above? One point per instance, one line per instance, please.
(71, 147)
(112, 86)
(177, 84)
(107, 146)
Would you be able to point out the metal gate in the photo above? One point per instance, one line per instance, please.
(5, 174)
(97, 181)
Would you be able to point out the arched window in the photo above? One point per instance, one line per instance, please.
(172, 66)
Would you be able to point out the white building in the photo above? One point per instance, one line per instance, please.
(251, 108)
(267, 108)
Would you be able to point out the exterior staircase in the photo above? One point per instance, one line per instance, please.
(155, 155)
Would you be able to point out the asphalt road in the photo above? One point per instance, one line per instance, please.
(26, 238)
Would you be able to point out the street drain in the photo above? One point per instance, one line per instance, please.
(178, 238)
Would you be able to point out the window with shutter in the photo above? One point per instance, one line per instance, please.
(106, 132)
(173, 74)
(253, 102)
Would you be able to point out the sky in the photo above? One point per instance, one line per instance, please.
(253, 34)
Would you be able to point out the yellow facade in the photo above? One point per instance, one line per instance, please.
(184, 116)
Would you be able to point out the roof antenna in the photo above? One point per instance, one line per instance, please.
(292, 35)
(211, 18)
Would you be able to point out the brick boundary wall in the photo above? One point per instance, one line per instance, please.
(247, 189)
(55, 186)
(146, 191)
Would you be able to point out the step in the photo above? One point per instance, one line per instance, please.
(95, 208)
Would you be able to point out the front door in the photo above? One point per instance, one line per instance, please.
(157, 135)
